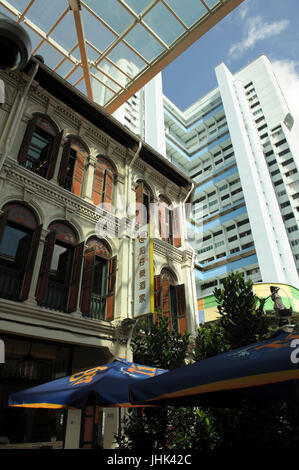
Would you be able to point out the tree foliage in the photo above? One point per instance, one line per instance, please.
(157, 346)
(250, 425)
(242, 318)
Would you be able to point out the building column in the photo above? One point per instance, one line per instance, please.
(88, 181)
(34, 280)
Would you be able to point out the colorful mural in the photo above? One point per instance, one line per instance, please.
(207, 306)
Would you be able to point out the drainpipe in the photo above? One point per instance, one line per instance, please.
(193, 287)
(16, 117)
(128, 179)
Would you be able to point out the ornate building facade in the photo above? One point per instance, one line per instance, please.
(70, 178)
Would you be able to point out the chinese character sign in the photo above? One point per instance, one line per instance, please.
(144, 272)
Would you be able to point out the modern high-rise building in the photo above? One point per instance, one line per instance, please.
(239, 145)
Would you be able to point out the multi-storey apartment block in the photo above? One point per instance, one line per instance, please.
(238, 143)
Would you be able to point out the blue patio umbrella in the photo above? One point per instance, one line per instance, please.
(265, 371)
(107, 384)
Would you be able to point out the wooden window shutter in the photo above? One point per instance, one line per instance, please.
(54, 155)
(87, 279)
(45, 268)
(181, 300)
(139, 200)
(22, 251)
(157, 291)
(98, 183)
(3, 221)
(165, 299)
(111, 288)
(64, 162)
(108, 187)
(176, 227)
(27, 139)
(78, 174)
(75, 278)
(29, 267)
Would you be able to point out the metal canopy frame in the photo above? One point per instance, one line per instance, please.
(117, 46)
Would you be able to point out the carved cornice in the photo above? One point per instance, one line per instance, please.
(66, 113)
(173, 191)
(56, 196)
(169, 251)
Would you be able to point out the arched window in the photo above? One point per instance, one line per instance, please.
(143, 200)
(103, 183)
(40, 146)
(19, 240)
(98, 281)
(71, 171)
(169, 222)
(60, 270)
(170, 299)
(165, 220)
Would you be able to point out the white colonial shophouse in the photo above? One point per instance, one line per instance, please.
(65, 291)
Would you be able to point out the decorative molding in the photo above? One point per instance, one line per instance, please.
(92, 133)
(34, 185)
(173, 191)
(37, 94)
(66, 113)
(34, 315)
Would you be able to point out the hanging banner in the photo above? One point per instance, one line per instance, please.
(144, 272)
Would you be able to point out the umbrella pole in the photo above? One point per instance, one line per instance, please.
(119, 424)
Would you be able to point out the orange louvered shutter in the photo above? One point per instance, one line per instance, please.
(181, 307)
(165, 299)
(78, 174)
(176, 233)
(87, 280)
(45, 268)
(53, 156)
(27, 139)
(64, 162)
(75, 278)
(111, 288)
(98, 183)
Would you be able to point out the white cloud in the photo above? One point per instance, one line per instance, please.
(257, 30)
(243, 10)
(288, 79)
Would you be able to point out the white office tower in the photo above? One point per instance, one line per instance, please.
(143, 112)
(239, 145)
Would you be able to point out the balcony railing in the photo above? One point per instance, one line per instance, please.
(97, 308)
(10, 283)
(55, 296)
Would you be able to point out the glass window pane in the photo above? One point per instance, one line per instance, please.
(45, 15)
(10, 241)
(58, 251)
(51, 56)
(122, 55)
(144, 43)
(211, 3)
(189, 10)
(138, 5)
(64, 68)
(95, 32)
(112, 13)
(65, 33)
(163, 23)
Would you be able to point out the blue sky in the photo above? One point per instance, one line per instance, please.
(256, 27)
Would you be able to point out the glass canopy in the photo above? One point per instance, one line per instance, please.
(109, 49)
